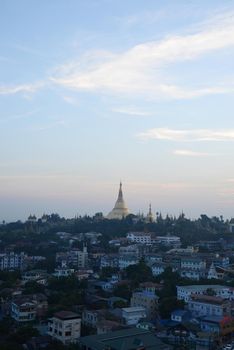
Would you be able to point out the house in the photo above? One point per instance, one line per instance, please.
(125, 261)
(82, 274)
(65, 327)
(147, 300)
(106, 286)
(92, 317)
(151, 286)
(192, 274)
(111, 260)
(127, 339)
(132, 315)
(23, 309)
(224, 292)
(205, 305)
(180, 315)
(159, 268)
(193, 263)
(63, 272)
(223, 326)
(147, 326)
(39, 276)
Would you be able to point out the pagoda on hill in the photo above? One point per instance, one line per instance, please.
(120, 209)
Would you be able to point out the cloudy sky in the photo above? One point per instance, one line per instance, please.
(96, 91)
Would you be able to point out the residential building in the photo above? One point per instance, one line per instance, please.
(125, 261)
(132, 315)
(205, 305)
(148, 300)
(139, 237)
(23, 309)
(220, 325)
(171, 241)
(12, 261)
(180, 315)
(110, 260)
(224, 292)
(192, 263)
(63, 272)
(159, 268)
(92, 317)
(65, 327)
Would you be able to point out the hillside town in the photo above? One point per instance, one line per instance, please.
(123, 281)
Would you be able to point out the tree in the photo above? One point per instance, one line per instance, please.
(139, 273)
(167, 305)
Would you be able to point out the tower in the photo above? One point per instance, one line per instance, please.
(120, 209)
(150, 217)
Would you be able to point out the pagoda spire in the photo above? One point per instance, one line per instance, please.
(120, 195)
(120, 209)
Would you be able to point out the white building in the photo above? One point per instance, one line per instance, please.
(65, 327)
(12, 261)
(158, 268)
(173, 241)
(125, 261)
(23, 310)
(139, 237)
(224, 292)
(193, 263)
(63, 272)
(205, 305)
(132, 315)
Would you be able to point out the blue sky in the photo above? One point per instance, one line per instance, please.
(96, 91)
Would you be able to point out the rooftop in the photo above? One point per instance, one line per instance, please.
(127, 339)
(66, 315)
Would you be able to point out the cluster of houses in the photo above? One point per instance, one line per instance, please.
(206, 319)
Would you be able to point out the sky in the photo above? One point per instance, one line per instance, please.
(94, 92)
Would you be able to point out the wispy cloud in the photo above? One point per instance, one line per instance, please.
(48, 126)
(187, 135)
(139, 70)
(132, 111)
(189, 153)
(71, 100)
(21, 88)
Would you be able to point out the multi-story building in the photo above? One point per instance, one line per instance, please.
(148, 300)
(224, 292)
(170, 241)
(110, 260)
(74, 257)
(139, 237)
(159, 268)
(192, 263)
(132, 315)
(12, 261)
(65, 327)
(91, 317)
(63, 272)
(205, 305)
(23, 310)
(125, 261)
